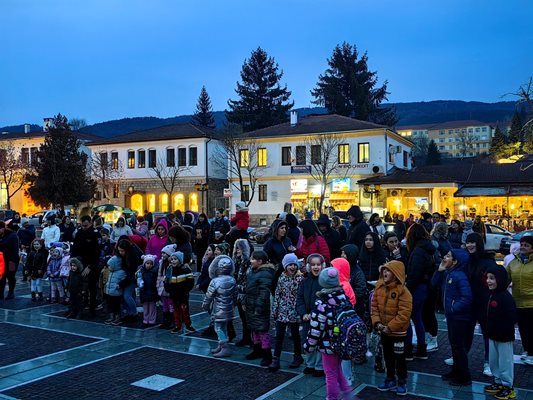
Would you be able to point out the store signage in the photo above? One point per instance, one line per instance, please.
(341, 185)
(356, 166)
(298, 185)
(300, 169)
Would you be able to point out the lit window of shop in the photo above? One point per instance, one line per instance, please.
(163, 202)
(141, 161)
(262, 157)
(244, 158)
(152, 160)
(316, 155)
(245, 194)
(301, 158)
(131, 159)
(363, 152)
(179, 202)
(193, 202)
(344, 153)
(262, 192)
(150, 199)
(114, 160)
(286, 156)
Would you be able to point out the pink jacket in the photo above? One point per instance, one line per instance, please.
(312, 244)
(156, 243)
(343, 266)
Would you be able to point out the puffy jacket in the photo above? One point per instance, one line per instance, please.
(276, 249)
(323, 320)
(306, 297)
(476, 271)
(156, 242)
(392, 303)
(54, 266)
(521, 274)
(50, 234)
(148, 292)
(311, 245)
(161, 275)
(116, 275)
(86, 247)
(221, 295)
(257, 297)
(420, 263)
(284, 304)
(75, 282)
(219, 225)
(179, 282)
(357, 279)
(36, 263)
(501, 308)
(118, 231)
(343, 266)
(241, 220)
(26, 235)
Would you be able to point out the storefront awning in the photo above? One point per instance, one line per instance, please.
(521, 191)
(299, 197)
(482, 191)
(343, 195)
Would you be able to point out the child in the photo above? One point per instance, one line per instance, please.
(147, 275)
(179, 281)
(53, 274)
(501, 318)
(392, 304)
(305, 303)
(168, 307)
(330, 299)
(36, 268)
(75, 287)
(457, 301)
(241, 258)
(159, 239)
(257, 306)
(220, 300)
(106, 248)
(65, 268)
(284, 311)
(203, 279)
(113, 291)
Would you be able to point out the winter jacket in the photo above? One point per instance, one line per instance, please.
(54, 268)
(106, 251)
(204, 280)
(50, 234)
(312, 245)
(242, 266)
(323, 320)
(186, 249)
(369, 261)
(293, 232)
(221, 295)
(156, 242)
(357, 232)
(86, 247)
(476, 271)
(400, 229)
(119, 231)
(378, 229)
(357, 278)
(116, 275)
(285, 298)
(501, 308)
(26, 235)
(403, 256)
(161, 274)
(241, 220)
(65, 265)
(179, 282)
(392, 303)
(36, 263)
(67, 232)
(306, 297)
(257, 297)
(9, 245)
(455, 238)
(219, 225)
(521, 274)
(148, 292)
(201, 238)
(343, 266)
(75, 282)
(421, 264)
(276, 249)
(142, 229)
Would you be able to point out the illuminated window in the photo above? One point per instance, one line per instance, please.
(344, 153)
(163, 202)
(150, 200)
(114, 160)
(262, 157)
(363, 152)
(141, 158)
(244, 158)
(131, 159)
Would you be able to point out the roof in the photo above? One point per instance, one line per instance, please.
(443, 125)
(166, 132)
(327, 123)
(38, 134)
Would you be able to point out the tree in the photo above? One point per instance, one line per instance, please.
(497, 144)
(515, 130)
(348, 88)
(433, 157)
(59, 176)
(263, 101)
(239, 155)
(13, 170)
(77, 123)
(420, 150)
(203, 116)
(466, 142)
(106, 174)
(170, 175)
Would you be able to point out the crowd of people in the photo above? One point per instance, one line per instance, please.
(396, 281)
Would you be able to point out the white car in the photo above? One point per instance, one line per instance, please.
(495, 234)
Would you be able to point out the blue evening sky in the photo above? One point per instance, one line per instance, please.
(109, 59)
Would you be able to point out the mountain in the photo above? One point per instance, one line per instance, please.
(414, 113)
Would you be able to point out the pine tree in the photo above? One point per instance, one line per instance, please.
(433, 157)
(497, 144)
(60, 174)
(515, 131)
(348, 88)
(203, 116)
(263, 101)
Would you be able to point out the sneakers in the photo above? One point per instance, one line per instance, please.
(528, 360)
(460, 381)
(432, 344)
(176, 330)
(421, 352)
(401, 389)
(448, 376)
(449, 361)
(189, 329)
(505, 393)
(486, 370)
(494, 388)
(389, 384)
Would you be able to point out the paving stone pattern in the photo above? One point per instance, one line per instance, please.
(372, 393)
(112, 379)
(23, 343)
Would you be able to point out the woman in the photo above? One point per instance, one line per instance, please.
(312, 241)
(159, 239)
(371, 256)
(201, 238)
(131, 257)
(293, 232)
(376, 225)
(9, 246)
(121, 229)
(337, 224)
(277, 246)
(455, 234)
(67, 229)
(479, 227)
(181, 238)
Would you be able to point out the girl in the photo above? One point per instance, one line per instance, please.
(371, 256)
(159, 239)
(220, 300)
(311, 241)
(148, 289)
(241, 258)
(284, 311)
(74, 287)
(376, 225)
(53, 271)
(130, 255)
(113, 289)
(168, 307)
(204, 280)
(179, 281)
(36, 267)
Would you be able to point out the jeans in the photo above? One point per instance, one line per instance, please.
(281, 328)
(314, 359)
(128, 298)
(221, 328)
(36, 285)
(336, 383)
(458, 338)
(56, 286)
(419, 297)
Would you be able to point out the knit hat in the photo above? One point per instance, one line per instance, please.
(527, 239)
(179, 256)
(329, 278)
(239, 205)
(468, 224)
(290, 258)
(149, 257)
(169, 249)
(114, 262)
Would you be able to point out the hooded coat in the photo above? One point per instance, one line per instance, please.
(343, 266)
(420, 262)
(501, 308)
(476, 271)
(148, 292)
(118, 231)
(201, 236)
(311, 245)
(293, 232)
(241, 220)
(357, 278)
(332, 237)
(221, 295)
(156, 242)
(257, 297)
(285, 297)
(358, 227)
(521, 274)
(369, 261)
(392, 302)
(275, 248)
(54, 264)
(116, 275)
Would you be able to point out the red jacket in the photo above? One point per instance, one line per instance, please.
(241, 220)
(313, 244)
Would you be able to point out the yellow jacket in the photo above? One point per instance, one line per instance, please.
(521, 274)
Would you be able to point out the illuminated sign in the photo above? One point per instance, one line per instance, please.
(298, 185)
(341, 185)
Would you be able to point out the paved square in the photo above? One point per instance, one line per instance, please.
(372, 393)
(157, 382)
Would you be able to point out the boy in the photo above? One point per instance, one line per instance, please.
(392, 304)
(179, 281)
(501, 318)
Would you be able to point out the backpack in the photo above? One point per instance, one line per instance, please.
(349, 335)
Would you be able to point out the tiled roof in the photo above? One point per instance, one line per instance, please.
(175, 131)
(316, 124)
(38, 134)
(443, 125)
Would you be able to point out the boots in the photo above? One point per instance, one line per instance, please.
(297, 360)
(421, 352)
(274, 365)
(432, 343)
(246, 338)
(256, 352)
(225, 351)
(216, 349)
(33, 297)
(167, 321)
(231, 331)
(267, 357)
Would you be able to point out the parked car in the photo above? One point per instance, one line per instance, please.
(495, 234)
(40, 217)
(259, 235)
(506, 242)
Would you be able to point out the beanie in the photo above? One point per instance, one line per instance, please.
(329, 278)
(527, 239)
(179, 255)
(149, 257)
(169, 249)
(290, 258)
(114, 263)
(239, 205)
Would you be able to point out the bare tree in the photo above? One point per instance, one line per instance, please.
(76, 124)
(239, 155)
(13, 169)
(327, 160)
(105, 173)
(466, 142)
(170, 176)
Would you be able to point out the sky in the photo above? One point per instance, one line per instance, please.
(109, 59)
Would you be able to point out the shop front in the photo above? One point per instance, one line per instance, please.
(299, 195)
(342, 197)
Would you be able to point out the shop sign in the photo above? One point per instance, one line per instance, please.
(355, 166)
(300, 169)
(298, 185)
(341, 185)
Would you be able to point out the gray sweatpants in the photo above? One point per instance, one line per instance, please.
(501, 362)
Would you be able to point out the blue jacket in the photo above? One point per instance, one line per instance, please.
(148, 292)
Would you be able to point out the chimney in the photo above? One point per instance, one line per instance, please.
(47, 122)
(294, 118)
(26, 128)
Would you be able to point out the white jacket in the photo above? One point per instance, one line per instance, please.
(50, 235)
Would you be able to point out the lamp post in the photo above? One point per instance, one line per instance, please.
(372, 190)
(202, 188)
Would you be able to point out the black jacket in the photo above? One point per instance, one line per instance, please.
(86, 247)
(333, 239)
(257, 297)
(357, 278)
(306, 298)
(476, 272)
(501, 308)
(9, 245)
(421, 264)
(26, 235)
(148, 292)
(400, 229)
(357, 232)
(293, 232)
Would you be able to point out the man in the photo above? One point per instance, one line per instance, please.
(87, 249)
(333, 238)
(148, 217)
(393, 248)
(219, 227)
(358, 227)
(400, 229)
(425, 221)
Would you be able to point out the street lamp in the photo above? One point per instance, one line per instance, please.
(202, 188)
(372, 190)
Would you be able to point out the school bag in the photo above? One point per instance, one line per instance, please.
(349, 335)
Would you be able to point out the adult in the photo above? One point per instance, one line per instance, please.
(426, 221)
(219, 227)
(132, 220)
(479, 227)
(277, 246)
(158, 240)
(293, 232)
(332, 237)
(337, 224)
(121, 229)
(26, 234)
(51, 232)
(387, 217)
(394, 250)
(311, 241)
(149, 217)
(358, 227)
(376, 225)
(371, 256)
(9, 246)
(131, 257)
(86, 247)
(201, 238)
(400, 228)
(67, 229)
(188, 223)
(181, 238)
(455, 234)
(436, 217)
(439, 235)
(521, 275)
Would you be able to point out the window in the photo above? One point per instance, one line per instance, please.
(244, 158)
(316, 155)
(441, 147)
(115, 191)
(344, 153)
(193, 156)
(171, 158)
(182, 157)
(245, 194)
(450, 132)
(262, 192)
(114, 160)
(478, 130)
(103, 159)
(450, 140)
(286, 156)
(131, 159)
(470, 130)
(152, 160)
(363, 152)
(34, 158)
(405, 158)
(300, 155)
(262, 157)
(25, 156)
(141, 162)
(484, 129)
(441, 140)
(441, 132)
